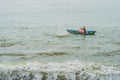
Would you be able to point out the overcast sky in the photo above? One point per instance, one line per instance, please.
(76, 10)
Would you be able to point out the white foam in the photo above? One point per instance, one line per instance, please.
(69, 66)
(69, 69)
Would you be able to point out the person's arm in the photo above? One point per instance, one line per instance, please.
(84, 30)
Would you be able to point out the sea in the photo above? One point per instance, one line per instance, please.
(34, 43)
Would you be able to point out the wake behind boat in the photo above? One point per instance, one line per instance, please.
(88, 32)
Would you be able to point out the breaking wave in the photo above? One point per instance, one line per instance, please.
(58, 71)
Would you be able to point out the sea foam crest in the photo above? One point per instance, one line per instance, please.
(74, 70)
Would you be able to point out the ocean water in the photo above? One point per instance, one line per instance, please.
(34, 43)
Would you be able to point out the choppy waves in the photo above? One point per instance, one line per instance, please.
(50, 53)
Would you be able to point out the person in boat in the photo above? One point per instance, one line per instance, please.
(82, 30)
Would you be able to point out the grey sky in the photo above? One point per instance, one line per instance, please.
(48, 10)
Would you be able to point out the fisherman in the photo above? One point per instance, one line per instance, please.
(82, 30)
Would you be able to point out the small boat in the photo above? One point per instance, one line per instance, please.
(88, 32)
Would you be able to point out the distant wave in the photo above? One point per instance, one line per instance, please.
(112, 53)
(22, 27)
(5, 43)
(35, 54)
(12, 54)
(52, 53)
(117, 43)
